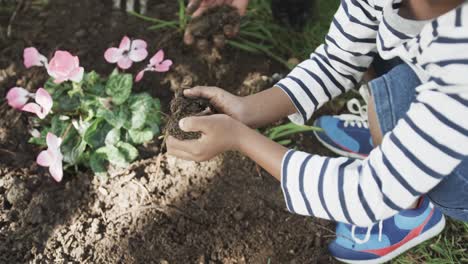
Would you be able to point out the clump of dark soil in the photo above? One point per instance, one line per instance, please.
(182, 107)
(214, 25)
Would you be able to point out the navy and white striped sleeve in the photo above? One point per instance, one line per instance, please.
(426, 145)
(339, 64)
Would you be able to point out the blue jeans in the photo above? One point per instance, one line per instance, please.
(393, 94)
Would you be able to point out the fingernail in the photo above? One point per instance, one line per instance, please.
(181, 123)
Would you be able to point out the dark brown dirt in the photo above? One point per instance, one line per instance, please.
(159, 209)
(213, 26)
(182, 107)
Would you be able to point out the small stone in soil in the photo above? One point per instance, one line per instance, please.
(182, 107)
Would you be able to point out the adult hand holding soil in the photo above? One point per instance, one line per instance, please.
(198, 7)
(220, 133)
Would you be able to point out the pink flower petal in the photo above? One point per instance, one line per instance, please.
(33, 108)
(17, 97)
(157, 58)
(113, 55)
(138, 55)
(76, 61)
(125, 44)
(59, 80)
(62, 63)
(77, 75)
(139, 44)
(44, 159)
(140, 75)
(44, 99)
(164, 66)
(125, 63)
(53, 142)
(56, 169)
(32, 57)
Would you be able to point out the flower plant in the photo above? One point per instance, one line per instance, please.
(86, 119)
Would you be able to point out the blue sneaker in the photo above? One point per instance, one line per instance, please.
(346, 135)
(388, 239)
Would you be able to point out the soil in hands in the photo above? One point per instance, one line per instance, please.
(182, 107)
(214, 25)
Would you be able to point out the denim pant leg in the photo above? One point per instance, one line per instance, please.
(393, 94)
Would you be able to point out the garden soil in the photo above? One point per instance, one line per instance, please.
(159, 209)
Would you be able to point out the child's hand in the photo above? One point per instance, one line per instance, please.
(220, 133)
(223, 101)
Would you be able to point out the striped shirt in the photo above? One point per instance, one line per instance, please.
(424, 147)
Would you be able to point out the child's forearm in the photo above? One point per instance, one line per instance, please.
(267, 107)
(265, 152)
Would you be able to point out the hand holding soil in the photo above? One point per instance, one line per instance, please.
(182, 107)
(219, 133)
(220, 20)
(223, 101)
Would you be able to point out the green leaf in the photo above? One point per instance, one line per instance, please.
(119, 87)
(117, 118)
(114, 155)
(141, 136)
(58, 126)
(129, 151)
(73, 147)
(98, 163)
(96, 134)
(66, 103)
(40, 141)
(140, 107)
(113, 137)
(93, 83)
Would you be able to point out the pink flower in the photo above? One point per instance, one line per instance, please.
(42, 106)
(17, 97)
(157, 64)
(52, 157)
(128, 52)
(32, 57)
(64, 67)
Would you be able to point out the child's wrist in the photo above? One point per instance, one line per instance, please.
(240, 136)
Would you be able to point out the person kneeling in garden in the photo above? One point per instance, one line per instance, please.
(404, 166)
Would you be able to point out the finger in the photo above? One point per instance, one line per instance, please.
(194, 123)
(188, 37)
(190, 147)
(241, 5)
(180, 154)
(193, 5)
(199, 11)
(207, 92)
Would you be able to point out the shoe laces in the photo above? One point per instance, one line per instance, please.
(358, 116)
(368, 233)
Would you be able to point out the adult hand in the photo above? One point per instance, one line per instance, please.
(220, 133)
(197, 7)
